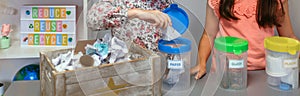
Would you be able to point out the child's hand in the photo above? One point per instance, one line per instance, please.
(200, 70)
(157, 18)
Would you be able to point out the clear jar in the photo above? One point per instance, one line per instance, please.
(231, 54)
(235, 72)
(282, 69)
(282, 62)
(177, 73)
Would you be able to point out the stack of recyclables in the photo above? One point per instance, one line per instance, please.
(282, 62)
(231, 54)
(123, 78)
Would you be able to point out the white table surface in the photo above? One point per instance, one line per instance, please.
(257, 86)
(23, 88)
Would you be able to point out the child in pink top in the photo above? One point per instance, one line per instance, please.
(253, 20)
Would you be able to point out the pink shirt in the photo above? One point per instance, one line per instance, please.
(246, 28)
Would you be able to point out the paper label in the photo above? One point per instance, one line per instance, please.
(290, 63)
(175, 64)
(236, 63)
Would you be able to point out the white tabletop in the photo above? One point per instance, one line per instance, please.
(23, 88)
(257, 86)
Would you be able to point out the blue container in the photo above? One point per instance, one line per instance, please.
(179, 18)
(177, 56)
(178, 46)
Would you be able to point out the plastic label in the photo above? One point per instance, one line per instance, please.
(236, 63)
(175, 64)
(290, 63)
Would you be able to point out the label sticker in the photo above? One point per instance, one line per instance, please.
(236, 63)
(290, 63)
(175, 64)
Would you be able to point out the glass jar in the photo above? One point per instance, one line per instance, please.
(231, 54)
(282, 62)
(177, 55)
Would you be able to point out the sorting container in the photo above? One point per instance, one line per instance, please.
(231, 54)
(177, 55)
(179, 18)
(282, 62)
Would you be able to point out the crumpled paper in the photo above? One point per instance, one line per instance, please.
(118, 49)
(173, 75)
(103, 51)
(63, 60)
(170, 34)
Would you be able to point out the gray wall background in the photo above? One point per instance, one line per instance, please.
(295, 15)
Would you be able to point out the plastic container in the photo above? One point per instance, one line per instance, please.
(179, 18)
(177, 55)
(282, 62)
(5, 42)
(231, 54)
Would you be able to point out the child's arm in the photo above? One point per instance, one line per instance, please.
(105, 14)
(206, 42)
(156, 17)
(286, 29)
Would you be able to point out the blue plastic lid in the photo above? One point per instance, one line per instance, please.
(284, 86)
(180, 20)
(176, 46)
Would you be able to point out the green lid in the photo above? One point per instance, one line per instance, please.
(230, 44)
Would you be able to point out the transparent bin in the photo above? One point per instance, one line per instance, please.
(231, 54)
(177, 71)
(282, 62)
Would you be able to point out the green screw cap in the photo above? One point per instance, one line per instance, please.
(230, 44)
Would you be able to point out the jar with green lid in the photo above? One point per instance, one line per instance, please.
(231, 54)
(282, 62)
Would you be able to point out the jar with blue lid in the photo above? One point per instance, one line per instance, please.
(177, 55)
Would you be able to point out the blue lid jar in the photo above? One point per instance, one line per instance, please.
(176, 46)
(179, 18)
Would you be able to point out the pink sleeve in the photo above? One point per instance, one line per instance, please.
(214, 4)
(104, 14)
